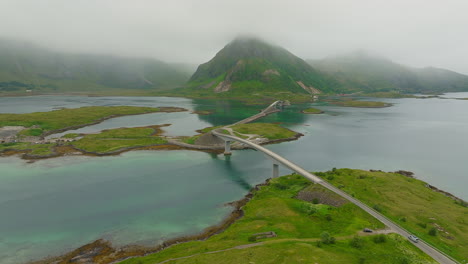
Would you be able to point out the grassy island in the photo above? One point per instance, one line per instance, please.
(312, 111)
(265, 130)
(269, 132)
(311, 224)
(115, 140)
(41, 123)
(362, 104)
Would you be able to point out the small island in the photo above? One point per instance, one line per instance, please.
(260, 133)
(312, 111)
(361, 104)
(25, 133)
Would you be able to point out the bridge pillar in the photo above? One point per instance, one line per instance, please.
(275, 170)
(227, 148)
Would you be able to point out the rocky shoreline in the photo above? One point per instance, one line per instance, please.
(102, 251)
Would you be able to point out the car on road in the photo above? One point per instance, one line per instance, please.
(367, 230)
(415, 239)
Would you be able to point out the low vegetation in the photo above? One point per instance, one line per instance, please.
(41, 122)
(312, 111)
(306, 232)
(31, 148)
(363, 104)
(430, 215)
(389, 95)
(266, 130)
(114, 140)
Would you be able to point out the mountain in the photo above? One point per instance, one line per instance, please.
(250, 65)
(361, 71)
(27, 66)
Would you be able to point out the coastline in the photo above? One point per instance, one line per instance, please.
(102, 251)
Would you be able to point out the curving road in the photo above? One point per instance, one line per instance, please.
(431, 251)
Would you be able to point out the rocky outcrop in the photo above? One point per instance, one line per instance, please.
(309, 89)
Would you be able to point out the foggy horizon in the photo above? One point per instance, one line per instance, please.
(416, 34)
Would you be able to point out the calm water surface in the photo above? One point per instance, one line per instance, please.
(143, 197)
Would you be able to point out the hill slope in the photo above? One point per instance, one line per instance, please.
(249, 65)
(26, 66)
(360, 71)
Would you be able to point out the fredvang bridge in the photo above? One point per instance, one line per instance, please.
(279, 160)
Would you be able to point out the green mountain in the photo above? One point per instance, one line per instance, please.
(361, 71)
(26, 66)
(249, 65)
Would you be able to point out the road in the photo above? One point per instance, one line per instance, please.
(434, 253)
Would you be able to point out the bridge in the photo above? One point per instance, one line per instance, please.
(279, 160)
(273, 108)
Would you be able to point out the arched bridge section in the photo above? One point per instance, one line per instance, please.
(273, 108)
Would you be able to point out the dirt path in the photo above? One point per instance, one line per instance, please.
(275, 241)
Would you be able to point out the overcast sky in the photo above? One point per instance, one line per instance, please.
(414, 32)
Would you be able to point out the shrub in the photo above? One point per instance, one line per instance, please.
(423, 225)
(403, 219)
(252, 238)
(315, 201)
(328, 217)
(380, 238)
(433, 231)
(326, 238)
(377, 208)
(356, 242)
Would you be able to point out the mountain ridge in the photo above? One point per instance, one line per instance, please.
(28, 66)
(364, 72)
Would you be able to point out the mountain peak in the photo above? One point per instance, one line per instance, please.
(249, 63)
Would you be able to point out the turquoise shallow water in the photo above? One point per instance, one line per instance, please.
(51, 206)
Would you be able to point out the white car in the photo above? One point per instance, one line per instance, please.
(415, 239)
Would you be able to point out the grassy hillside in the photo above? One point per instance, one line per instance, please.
(307, 232)
(26, 66)
(250, 66)
(363, 72)
(410, 203)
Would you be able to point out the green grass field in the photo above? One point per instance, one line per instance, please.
(299, 226)
(117, 139)
(59, 119)
(266, 130)
(412, 205)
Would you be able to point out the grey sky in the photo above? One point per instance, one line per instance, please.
(413, 32)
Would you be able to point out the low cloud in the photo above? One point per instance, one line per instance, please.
(418, 33)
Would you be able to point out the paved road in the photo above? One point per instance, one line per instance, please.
(435, 254)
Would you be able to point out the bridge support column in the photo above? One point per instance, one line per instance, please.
(227, 148)
(275, 170)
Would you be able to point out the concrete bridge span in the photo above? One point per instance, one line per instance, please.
(279, 160)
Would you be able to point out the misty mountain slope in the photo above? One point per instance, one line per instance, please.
(249, 65)
(360, 71)
(27, 66)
